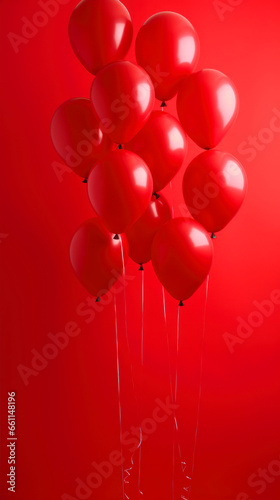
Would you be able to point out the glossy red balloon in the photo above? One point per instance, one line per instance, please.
(214, 187)
(97, 258)
(182, 255)
(120, 188)
(123, 97)
(140, 236)
(77, 137)
(162, 144)
(207, 106)
(100, 32)
(167, 47)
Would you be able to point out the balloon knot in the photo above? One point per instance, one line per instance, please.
(207, 149)
(213, 236)
(120, 146)
(181, 303)
(85, 180)
(156, 195)
(97, 299)
(163, 104)
(141, 268)
(116, 237)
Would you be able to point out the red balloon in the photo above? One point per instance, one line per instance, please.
(97, 258)
(207, 106)
(140, 236)
(100, 32)
(167, 47)
(214, 187)
(120, 188)
(182, 255)
(77, 137)
(123, 97)
(162, 144)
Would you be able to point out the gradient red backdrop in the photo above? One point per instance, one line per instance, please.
(67, 413)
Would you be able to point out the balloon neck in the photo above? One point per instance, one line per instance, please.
(213, 236)
(181, 303)
(163, 104)
(207, 149)
(156, 195)
(97, 299)
(141, 268)
(116, 237)
(120, 146)
(85, 180)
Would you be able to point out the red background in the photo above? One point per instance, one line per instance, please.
(67, 415)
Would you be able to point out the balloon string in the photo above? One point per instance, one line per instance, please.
(142, 329)
(119, 394)
(167, 342)
(177, 353)
(200, 377)
(142, 367)
(172, 199)
(172, 392)
(128, 471)
(182, 463)
(124, 293)
(174, 399)
(176, 430)
(126, 329)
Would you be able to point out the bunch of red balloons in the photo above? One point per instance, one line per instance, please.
(127, 152)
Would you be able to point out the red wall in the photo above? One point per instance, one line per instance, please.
(67, 413)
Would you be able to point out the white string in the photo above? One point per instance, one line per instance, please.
(176, 427)
(182, 463)
(201, 373)
(124, 293)
(177, 353)
(128, 470)
(164, 306)
(172, 199)
(126, 329)
(142, 329)
(167, 342)
(173, 393)
(119, 394)
(142, 366)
